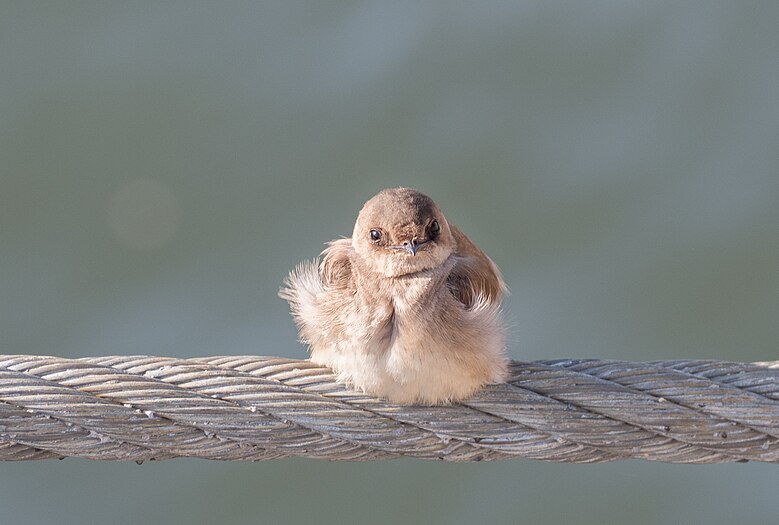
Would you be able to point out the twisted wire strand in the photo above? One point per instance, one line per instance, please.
(259, 408)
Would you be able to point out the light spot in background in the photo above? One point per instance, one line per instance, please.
(143, 214)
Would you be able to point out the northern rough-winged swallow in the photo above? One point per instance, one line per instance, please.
(407, 309)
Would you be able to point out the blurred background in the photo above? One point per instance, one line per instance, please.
(164, 165)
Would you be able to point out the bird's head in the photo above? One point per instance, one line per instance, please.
(401, 231)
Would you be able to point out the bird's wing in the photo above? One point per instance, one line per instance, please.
(336, 267)
(475, 276)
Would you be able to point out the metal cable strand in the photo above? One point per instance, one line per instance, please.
(258, 408)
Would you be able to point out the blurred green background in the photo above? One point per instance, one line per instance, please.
(163, 165)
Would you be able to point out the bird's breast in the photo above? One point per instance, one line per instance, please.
(393, 313)
(416, 309)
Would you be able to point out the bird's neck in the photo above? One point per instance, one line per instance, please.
(405, 292)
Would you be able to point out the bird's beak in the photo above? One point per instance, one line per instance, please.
(412, 246)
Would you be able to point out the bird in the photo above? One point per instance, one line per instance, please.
(408, 309)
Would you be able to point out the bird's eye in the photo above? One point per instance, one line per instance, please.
(375, 235)
(435, 227)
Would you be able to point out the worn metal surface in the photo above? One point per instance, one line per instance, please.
(257, 408)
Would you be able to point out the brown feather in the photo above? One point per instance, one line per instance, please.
(474, 275)
(336, 267)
